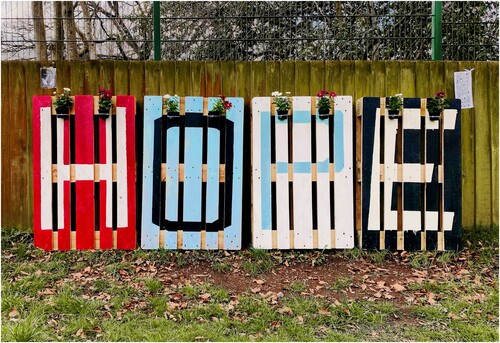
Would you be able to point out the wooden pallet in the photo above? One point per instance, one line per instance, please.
(302, 176)
(84, 175)
(192, 176)
(409, 184)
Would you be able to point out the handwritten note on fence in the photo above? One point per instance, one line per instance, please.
(463, 88)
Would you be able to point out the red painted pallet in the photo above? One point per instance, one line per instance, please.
(84, 175)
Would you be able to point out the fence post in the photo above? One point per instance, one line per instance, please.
(437, 36)
(156, 28)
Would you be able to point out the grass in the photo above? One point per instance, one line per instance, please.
(103, 296)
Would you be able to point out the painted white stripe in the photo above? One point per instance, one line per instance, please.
(121, 167)
(412, 172)
(84, 172)
(46, 168)
(282, 203)
(302, 182)
(431, 217)
(411, 118)
(450, 119)
(262, 239)
(431, 220)
(62, 174)
(374, 209)
(107, 174)
(323, 145)
(390, 172)
(344, 181)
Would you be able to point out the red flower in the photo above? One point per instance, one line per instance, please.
(227, 105)
(440, 95)
(333, 94)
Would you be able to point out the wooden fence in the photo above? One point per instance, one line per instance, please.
(21, 80)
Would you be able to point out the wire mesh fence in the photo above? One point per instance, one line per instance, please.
(246, 30)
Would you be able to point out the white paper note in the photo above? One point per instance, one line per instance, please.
(463, 88)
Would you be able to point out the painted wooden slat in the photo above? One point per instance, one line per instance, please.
(42, 154)
(302, 180)
(105, 183)
(390, 173)
(150, 229)
(262, 235)
(193, 147)
(172, 182)
(212, 193)
(323, 146)
(232, 233)
(344, 182)
(432, 185)
(84, 171)
(126, 228)
(374, 205)
(412, 188)
(282, 183)
(63, 185)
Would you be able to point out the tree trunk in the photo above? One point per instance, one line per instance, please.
(90, 44)
(39, 27)
(70, 30)
(59, 45)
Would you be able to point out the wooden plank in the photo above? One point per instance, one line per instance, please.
(344, 183)
(468, 155)
(361, 69)
(228, 86)
(392, 78)
(106, 75)
(317, 78)
(91, 77)
(348, 69)
(259, 78)
(137, 90)
(333, 77)
(150, 228)
(492, 67)
(41, 177)
(272, 77)
(482, 145)
(282, 183)
(287, 77)
(407, 70)
(198, 86)
(183, 78)
(167, 77)
(261, 230)
(121, 78)
(193, 147)
(63, 185)
(233, 233)
(422, 89)
(302, 188)
(390, 171)
(432, 186)
(302, 78)
(18, 150)
(214, 78)
(323, 146)
(212, 195)
(151, 79)
(377, 87)
(84, 159)
(6, 185)
(77, 78)
(125, 128)
(105, 184)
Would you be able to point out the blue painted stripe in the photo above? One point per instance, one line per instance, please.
(301, 117)
(232, 234)
(191, 240)
(338, 133)
(323, 166)
(265, 167)
(212, 196)
(212, 240)
(170, 240)
(193, 149)
(282, 167)
(302, 167)
(172, 182)
(150, 233)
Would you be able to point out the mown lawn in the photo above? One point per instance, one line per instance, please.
(251, 295)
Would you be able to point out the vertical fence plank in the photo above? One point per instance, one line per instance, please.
(150, 228)
(91, 77)
(493, 111)
(106, 75)
(272, 77)
(183, 78)
(302, 176)
(333, 77)
(151, 79)
(105, 183)
(228, 86)
(287, 77)
(482, 144)
(84, 171)
(302, 78)
(167, 77)
(214, 77)
(379, 83)
(282, 182)
(121, 80)
(392, 78)
(258, 78)
(408, 78)
(63, 184)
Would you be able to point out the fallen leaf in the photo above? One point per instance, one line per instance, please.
(13, 313)
(285, 310)
(324, 312)
(453, 316)
(377, 295)
(259, 282)
(300, 319)
(38, 272)
(199, 338)
(380, 284)
(275, 324)
(255, 290)
(398, 288)
(205, 296)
